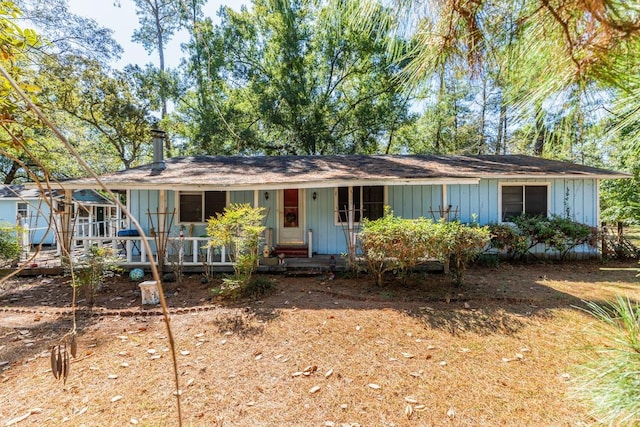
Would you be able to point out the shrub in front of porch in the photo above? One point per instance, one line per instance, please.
(239, 228)
(91, 269)
(395, 244)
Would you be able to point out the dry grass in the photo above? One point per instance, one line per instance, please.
(500, 352)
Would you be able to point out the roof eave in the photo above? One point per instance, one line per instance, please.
(557, 176)
(273, 186)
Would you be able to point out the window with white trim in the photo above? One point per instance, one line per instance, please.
(22, 211)
(368, 202)
(530, 200)
(199, 206)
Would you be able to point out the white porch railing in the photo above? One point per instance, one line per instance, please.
(88, 227)
(189, 251)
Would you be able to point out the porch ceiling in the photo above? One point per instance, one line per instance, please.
(237, 172)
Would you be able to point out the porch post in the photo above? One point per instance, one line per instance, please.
(112, 232)
(445, 200)
(128, 204)
(66, 229)
(256, 198)
(163, 236)
(91, 219)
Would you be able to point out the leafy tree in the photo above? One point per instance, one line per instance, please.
(159, 19)
(107, 103)
(295, 78)
(15, 122)
(239, 229)
(29, 150)
(67, 33)
(465, 243)
(532, 54)
(556, 233)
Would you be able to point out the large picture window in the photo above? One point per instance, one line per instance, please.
(367, 200)
(199, 206)
(530, 200)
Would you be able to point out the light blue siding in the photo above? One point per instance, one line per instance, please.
(415, 201)
(578, 197)
(464, 200)
(328, 238)
(144, 202)
(479, 201)
(270, 209)
(8, 211)
(38, 221)
(241, 197)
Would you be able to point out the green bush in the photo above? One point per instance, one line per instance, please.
(465, 243)
(556, 233)
(509, 239)
(93, 267)
(395, 244)
(239, 229)
(10, 248)
(610, 381)
(391, 243)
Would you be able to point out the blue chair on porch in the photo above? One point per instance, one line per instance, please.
(134, 243)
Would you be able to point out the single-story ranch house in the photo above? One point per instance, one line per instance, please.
(308, 199)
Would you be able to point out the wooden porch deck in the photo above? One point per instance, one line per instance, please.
(47, 262)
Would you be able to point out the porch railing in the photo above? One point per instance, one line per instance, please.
(189, 251)
(89, 227)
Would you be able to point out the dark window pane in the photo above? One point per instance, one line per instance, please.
(291, 208)
(214, 203)
(512, 202)
(535, 197)
(190, 207)
(357, 205)
(343, 203)
(373, 202)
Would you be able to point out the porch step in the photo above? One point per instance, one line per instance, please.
(292, 251)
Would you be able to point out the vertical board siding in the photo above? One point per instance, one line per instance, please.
(328, 238)
(39, 213)
(464, 201)
(270, 210)
(241, 197)
(417, 201)
(472, 201)
(577, 197)
(8, 210)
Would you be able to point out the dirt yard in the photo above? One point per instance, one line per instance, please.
(500, 350)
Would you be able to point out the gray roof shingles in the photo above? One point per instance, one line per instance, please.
(229, 171)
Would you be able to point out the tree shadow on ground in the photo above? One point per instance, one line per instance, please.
(241, 322)
(491, 300)
(27, 340)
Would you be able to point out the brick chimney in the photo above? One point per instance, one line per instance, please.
(158, 138)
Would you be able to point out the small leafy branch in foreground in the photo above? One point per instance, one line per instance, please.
(93, 267)
(610, 381)
(9, 244)
(555, 233)
(395, 244)
(239, 229)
